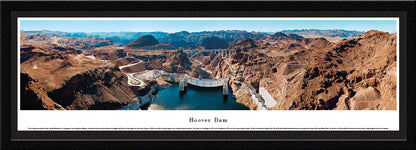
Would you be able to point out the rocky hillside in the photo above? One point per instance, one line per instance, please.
(355, 74)
(103, 88)
(51, 67)
(108, 53)
(144, 41)
(60, 77)
(245, 43)
(173, 62)
(70, 85)
(35, 51)
(34, 97)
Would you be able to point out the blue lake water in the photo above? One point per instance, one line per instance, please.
(194, 98)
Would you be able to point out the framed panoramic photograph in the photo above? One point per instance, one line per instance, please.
(150, 74)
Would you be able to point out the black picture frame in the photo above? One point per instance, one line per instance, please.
(11, 138)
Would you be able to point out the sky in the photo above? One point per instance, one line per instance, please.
(195, 25)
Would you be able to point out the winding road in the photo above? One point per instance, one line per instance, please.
(129, 65)
(132, 81)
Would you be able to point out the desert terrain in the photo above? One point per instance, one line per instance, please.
(309, 70)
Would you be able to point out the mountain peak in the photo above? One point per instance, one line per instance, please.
(278, 34)
(372, 33)
(144, 41)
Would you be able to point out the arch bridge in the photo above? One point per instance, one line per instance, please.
(221, 52)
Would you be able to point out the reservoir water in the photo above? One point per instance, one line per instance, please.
(195, 98)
